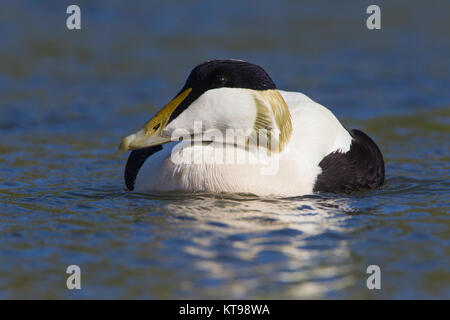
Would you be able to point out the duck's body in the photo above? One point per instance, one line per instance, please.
(316, 153)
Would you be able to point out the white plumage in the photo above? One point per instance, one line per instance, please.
(315, 133)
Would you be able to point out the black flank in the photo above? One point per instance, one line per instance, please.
(135, 161)
(362, 167)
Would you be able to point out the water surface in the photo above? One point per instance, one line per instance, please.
(68, 97)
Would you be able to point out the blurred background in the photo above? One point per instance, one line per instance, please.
(68, 97)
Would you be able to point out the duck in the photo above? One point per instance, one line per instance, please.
(231, 130)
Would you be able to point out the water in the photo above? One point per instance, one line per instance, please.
(68, 97)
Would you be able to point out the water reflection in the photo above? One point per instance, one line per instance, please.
(252, 245)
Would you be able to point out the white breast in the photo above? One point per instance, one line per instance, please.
(316, 133)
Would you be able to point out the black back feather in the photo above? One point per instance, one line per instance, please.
(362, 167)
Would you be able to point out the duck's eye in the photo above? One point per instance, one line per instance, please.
(219, 81)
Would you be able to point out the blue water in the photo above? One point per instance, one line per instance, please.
(68, 97)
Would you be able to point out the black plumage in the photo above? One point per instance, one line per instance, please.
(362, 167)
(135, 161)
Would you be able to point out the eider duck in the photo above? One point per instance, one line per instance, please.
(186, 146)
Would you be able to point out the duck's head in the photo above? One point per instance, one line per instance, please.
(220, 95)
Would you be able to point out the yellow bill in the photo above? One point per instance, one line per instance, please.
(151, 134)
